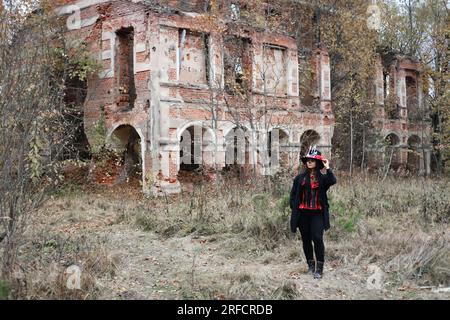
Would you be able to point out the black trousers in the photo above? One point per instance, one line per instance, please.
(312, 228)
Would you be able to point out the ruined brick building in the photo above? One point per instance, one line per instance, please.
(170, 68)
(401, 113)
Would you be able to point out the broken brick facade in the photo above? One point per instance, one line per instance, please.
(172, 71)
(401, 113)
(164, 65)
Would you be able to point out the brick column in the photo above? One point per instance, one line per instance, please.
(379, 83)
(325, 81)
(327, 129)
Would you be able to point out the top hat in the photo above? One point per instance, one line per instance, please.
(313, 153)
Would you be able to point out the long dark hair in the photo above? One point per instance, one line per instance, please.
(305, 183)
(316, 170)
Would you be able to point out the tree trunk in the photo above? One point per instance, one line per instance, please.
(389, 165)
(351, 142)
(363, 147)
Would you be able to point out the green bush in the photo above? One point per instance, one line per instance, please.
(4, 290)
(284, 204)
(346, 219)
(261, 202)
(146, 222)
(348, 223)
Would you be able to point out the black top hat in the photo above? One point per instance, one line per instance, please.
(313, 153)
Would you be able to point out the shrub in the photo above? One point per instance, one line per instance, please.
(343, 217)
(146, 221)
(261, 202)
(4, 290)
(284, 204)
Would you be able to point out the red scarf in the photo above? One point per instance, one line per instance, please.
(310, 200)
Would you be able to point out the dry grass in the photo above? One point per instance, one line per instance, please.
(400, 226)
(45, 275)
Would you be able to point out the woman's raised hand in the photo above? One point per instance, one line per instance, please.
(326, 163)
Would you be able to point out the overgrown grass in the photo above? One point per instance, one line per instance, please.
(401, 225)
(376, 222)
(232, 211)
(53, 254)
(380, 221)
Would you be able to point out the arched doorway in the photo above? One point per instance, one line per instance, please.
(308, 138)
(237, 154)
(392, 140)
(413, 161)
(196, 152)
(391, 151)
(278, 141)
(190, 149)
(126, 142)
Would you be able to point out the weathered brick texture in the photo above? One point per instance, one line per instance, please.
(163, 70)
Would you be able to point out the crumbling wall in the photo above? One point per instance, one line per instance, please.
(194, 50)
(124, 69)
(398, 86)
(163, 72)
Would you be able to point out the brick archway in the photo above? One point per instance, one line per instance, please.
(196, 146)
(128, 143)
(392, 139)
(309, 138)
(237, 151)
(392, 152)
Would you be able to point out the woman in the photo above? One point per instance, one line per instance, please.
(309, 205)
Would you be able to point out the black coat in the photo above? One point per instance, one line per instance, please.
(325, 182)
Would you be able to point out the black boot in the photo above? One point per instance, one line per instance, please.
(319, 270)
(311, 266)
